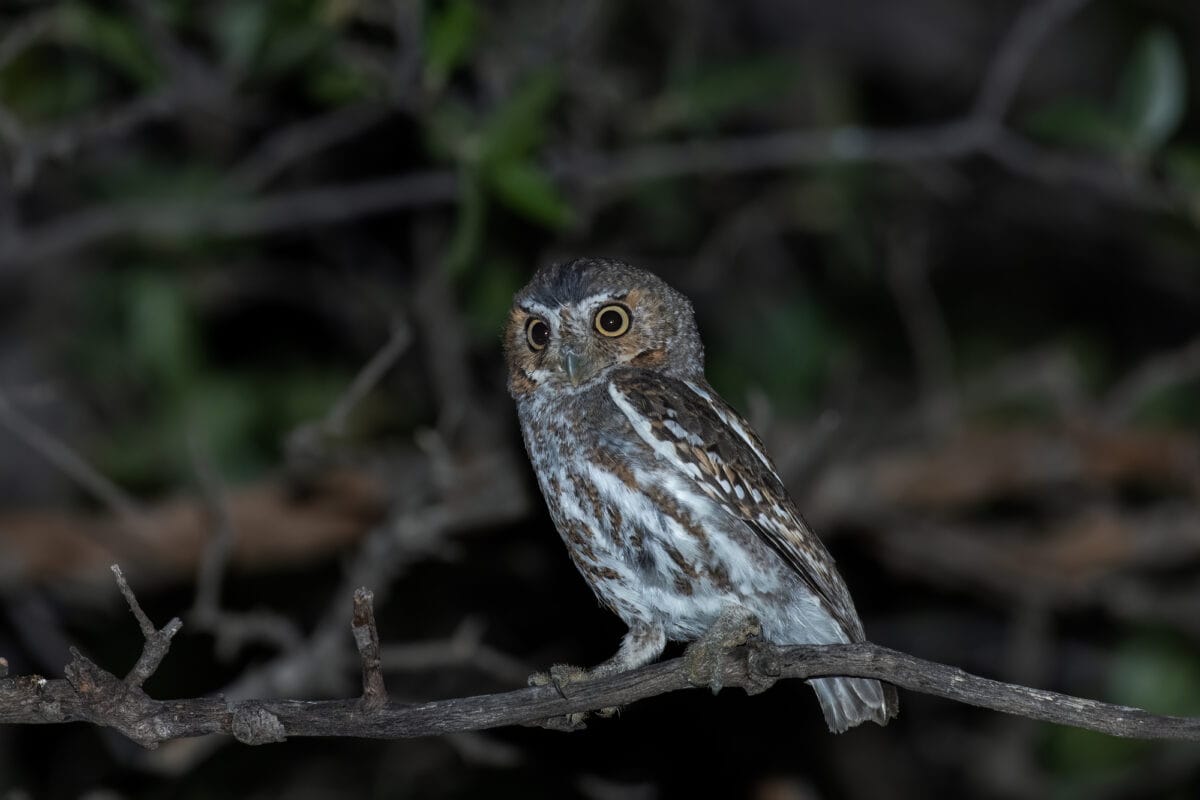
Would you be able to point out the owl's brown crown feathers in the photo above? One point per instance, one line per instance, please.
(576, 320)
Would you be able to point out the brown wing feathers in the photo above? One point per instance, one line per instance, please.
(734, 470)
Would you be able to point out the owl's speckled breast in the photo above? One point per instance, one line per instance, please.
(652, 548)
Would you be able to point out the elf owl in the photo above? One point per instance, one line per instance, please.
(666, 499)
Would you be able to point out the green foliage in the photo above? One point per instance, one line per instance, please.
(1171, 408)
(341, 83)
(111, 37)
(41, 90)
(525, 188)
(148, 178)
(450, 35)
(787, 352)
(161, 332)
(1152, 93)
(667, 214)
(519, 124)
(471, 224)
(1080, 123)
(289, 44)
(1147, 111)
(1181, 165)
(496, 162)
(147, 347)
(240, 30)
(488, 295)
(713, 93)
(1157, 673)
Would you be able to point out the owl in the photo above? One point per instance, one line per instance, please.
(666, 499)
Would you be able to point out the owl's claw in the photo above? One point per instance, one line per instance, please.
(567, 722)
(703, 657)
(562, 677)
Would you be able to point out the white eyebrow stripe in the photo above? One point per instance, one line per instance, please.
(537, 309)
(595, 299)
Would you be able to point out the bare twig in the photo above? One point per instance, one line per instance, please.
(366, 638)
(407, 23)
(444, 337)
(1098, 176)
(158, 642)
(33, 146)
(1033, 27)
(300, 141)
(465, 647)
(24, 33)
(773, 151)
(310, 438)
(133, 535)
(231, 629)
(282, 212)
(186, 68)
(908, 274)
(214, 560)
(368, 377)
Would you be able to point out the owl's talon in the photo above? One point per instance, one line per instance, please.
(565, 676)
(704, 657)
(562, 677)
(762, 667)
(566, 723)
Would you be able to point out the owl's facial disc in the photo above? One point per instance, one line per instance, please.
(575, 321)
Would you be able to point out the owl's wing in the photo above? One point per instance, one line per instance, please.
(692, 428)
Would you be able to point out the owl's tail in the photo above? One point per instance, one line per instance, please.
(847, 702)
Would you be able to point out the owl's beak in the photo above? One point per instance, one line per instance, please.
(576, 366)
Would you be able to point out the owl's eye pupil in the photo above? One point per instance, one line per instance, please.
(612, 320)
(538, 334)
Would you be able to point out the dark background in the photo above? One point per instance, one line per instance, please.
(944, 255)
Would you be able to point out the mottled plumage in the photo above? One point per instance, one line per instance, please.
(666, 499)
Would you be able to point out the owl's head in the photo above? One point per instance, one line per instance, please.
(575, 321)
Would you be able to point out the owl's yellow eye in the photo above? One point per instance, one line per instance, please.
(537, 333)
(612, 320)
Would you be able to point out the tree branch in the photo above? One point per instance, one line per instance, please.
(91, 694)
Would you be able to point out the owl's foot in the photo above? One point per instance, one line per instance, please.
(704, 657)
(563, 677)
